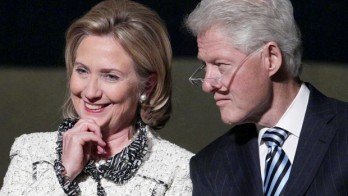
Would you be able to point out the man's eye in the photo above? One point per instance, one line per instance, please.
(223, 67)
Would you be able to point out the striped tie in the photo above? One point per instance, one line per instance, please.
(278, 165)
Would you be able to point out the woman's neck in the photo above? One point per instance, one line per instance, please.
(116, 142)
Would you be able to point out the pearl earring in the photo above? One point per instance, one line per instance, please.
(143, 98)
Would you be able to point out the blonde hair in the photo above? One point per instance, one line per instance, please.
(144, 36)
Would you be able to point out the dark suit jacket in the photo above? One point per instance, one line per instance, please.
(230, 165)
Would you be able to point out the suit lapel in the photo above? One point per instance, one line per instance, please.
(254, 167)
(247, 163)
(317, 132)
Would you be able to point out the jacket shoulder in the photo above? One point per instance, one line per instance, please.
(36, 145)
(236, 136)
(164, 159)
(167, 151)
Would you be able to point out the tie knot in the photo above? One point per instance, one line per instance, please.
(275, 136)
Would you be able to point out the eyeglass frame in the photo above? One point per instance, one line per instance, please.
(200, 81)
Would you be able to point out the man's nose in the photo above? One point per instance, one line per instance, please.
(211, 80)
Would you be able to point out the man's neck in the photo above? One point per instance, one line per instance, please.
(283, 95)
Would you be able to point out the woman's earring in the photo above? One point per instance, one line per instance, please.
(143, 98)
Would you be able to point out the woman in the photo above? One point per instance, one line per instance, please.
(118, 61)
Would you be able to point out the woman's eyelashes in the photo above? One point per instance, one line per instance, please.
(81, 70)
(111, 77)
(108, 76)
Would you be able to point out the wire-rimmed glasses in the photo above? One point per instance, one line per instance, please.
(198, 77)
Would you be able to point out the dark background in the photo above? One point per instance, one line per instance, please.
(33, 81)
(32, 31)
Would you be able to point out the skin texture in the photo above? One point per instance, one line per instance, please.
(104, 92)
(248, 92)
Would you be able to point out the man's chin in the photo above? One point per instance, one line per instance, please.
(231, 118)
(227, 120)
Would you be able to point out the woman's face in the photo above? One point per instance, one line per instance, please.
(104, 85)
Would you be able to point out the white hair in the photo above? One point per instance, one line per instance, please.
(249, 24)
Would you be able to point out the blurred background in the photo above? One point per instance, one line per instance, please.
(33, 81)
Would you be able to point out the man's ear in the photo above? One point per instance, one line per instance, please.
(273, 58)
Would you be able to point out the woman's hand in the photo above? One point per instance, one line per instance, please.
(80, 143)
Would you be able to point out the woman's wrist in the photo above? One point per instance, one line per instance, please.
(69, 186)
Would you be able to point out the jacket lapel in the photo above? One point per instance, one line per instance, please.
(317, 132)
(247, 165)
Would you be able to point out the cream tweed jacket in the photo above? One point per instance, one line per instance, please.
(165, 170)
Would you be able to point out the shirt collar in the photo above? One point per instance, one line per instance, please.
(293, 117)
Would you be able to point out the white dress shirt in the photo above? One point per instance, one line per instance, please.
(291, 121)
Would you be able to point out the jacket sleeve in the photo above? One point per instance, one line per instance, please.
(25, 175)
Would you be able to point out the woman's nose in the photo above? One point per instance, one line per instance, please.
(93, 90)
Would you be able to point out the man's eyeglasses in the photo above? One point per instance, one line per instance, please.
(199, 75)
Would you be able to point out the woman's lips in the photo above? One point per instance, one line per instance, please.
(95, 108)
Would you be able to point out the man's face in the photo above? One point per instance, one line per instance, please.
(244, 92)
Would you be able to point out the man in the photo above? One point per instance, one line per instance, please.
(287, 137)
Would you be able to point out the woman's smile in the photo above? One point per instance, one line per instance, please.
(104, 85)
(95, 108)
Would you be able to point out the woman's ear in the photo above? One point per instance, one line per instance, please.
(273, 58)
(150, 84)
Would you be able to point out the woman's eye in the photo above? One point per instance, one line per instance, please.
(81, 71)
(111, 77)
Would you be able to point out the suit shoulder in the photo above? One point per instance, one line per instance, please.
(341, 104)
(236, 136)
(340, 108)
